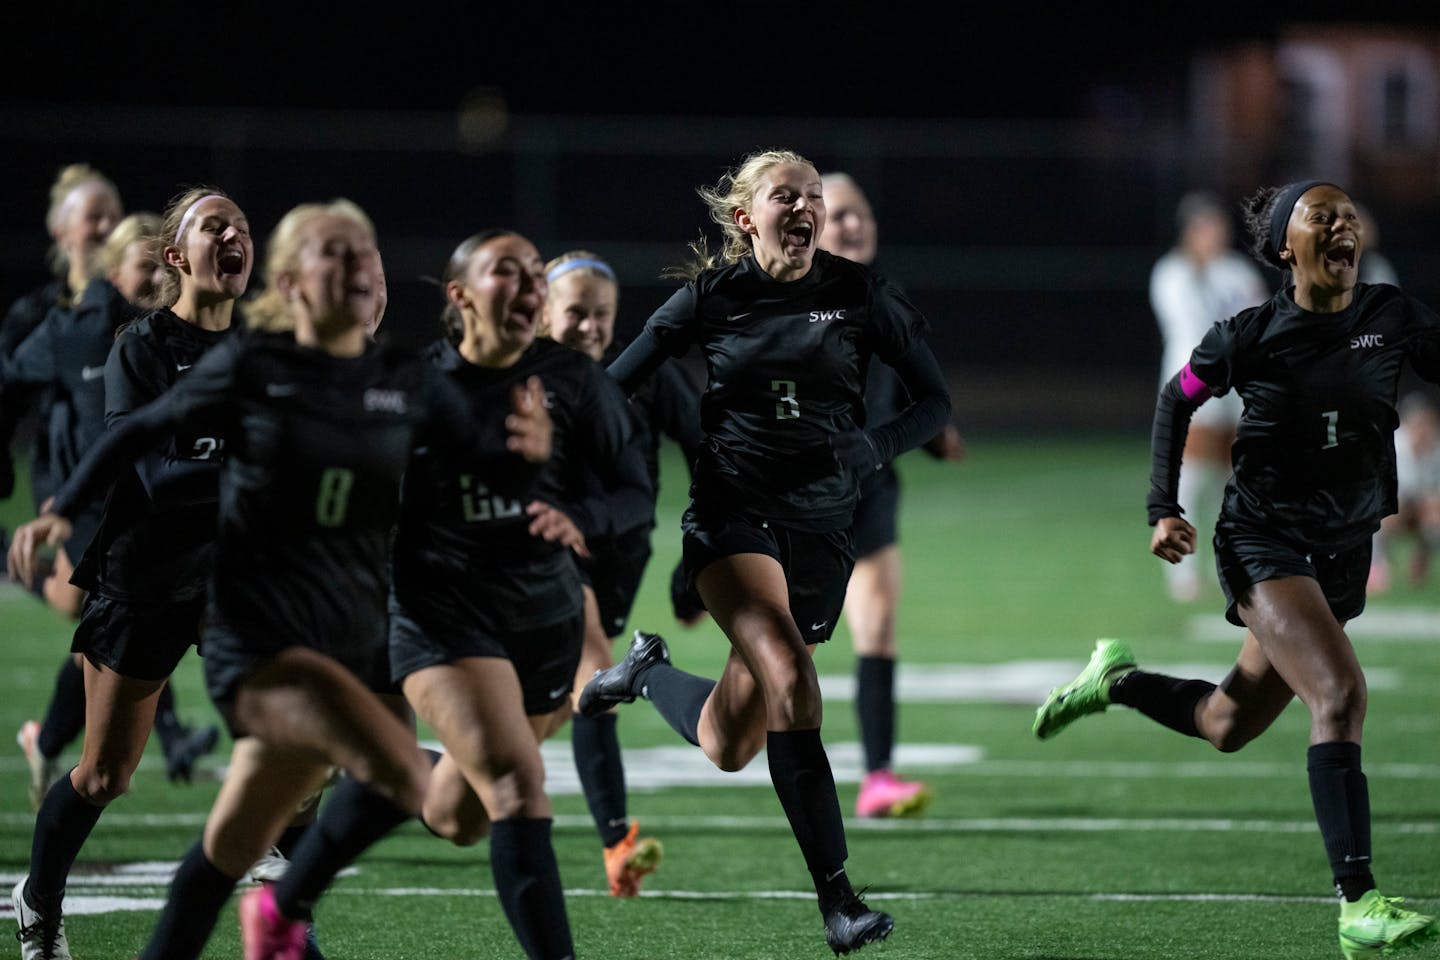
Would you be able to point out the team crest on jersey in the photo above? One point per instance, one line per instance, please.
(385, 401)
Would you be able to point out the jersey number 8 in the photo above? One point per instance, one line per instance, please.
(334, 496)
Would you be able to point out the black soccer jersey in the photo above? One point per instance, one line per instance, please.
(157, 536)
(787, 364)
(315, 446)
(1314, 454)
(67, 351)
(16, 406)
(463, 551)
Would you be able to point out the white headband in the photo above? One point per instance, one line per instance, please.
(185, 220)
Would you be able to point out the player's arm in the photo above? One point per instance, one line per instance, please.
(1176, 403)
(926, 415)
(667, 334)
(194, 399)
(135, 374)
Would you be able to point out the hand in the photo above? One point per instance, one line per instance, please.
(689, 609)
(554, 526)
(947, 445)
(50, 529)
(529, 422)
(854, 450)
(1173, 539)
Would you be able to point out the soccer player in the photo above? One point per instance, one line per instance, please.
(787, 332)
(1317, 367)
(873, 596)
(148, 567)
(580, 312)
(318, 424)
(486, 613)
(84, 207)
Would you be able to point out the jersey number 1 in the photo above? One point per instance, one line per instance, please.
(1332, 421)
(788, 408)
(334, 497)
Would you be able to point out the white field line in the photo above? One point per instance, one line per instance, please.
(1410, 625)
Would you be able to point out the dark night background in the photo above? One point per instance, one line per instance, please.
(1023, 160)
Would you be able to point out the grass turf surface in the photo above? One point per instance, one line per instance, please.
(1115, 840)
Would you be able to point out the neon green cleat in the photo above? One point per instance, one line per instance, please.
(1087, 693)
(1375, 925)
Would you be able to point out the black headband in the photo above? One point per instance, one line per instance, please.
(1290, 195)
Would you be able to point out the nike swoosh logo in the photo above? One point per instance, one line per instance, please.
(819, 626)
(559, 691)
(91, 373)
(182, 367)
(739, 316)
(281, 389)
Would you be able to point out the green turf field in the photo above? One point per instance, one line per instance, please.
(1116, 841)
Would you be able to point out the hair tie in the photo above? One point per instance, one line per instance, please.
(560, 269)
(1285, 205)
(185, 220)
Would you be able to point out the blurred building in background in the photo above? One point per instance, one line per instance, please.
(1028, 243)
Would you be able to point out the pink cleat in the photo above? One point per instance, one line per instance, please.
(882, 794)
(266, 934)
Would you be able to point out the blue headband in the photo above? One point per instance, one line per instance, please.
(1285, 205)
(560, 269)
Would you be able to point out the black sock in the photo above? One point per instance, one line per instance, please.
(800, 771)
(197, 895)
(1166, 700)
(1342, 808)
(527, 880)
(61, 829)
(875, 709)
(679, 696)
(167, 722)
(602, 774)
(65, 716)
(355, 817)
(290, 838)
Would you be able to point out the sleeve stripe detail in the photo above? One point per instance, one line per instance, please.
(1192, 386)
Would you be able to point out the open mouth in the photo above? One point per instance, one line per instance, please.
(232, 263)
(1342, 254)
(799, 234)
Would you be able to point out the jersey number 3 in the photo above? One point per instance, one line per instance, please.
(788, 408)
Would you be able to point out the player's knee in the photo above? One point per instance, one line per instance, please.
(1339, 701)
(792, 695)
(100, 785)
(734, 754)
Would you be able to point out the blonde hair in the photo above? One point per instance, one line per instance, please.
(142, 227)
(167, 235)
(735, 190)
(62, 192)
(269, 311)
(585, 264)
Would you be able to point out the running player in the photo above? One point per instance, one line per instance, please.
(580, 312)
(147, 569)
(787, 332)
(84, 207)
(873, 597)
(130, 261)
(318, 424)
(486, 609)
(1317, 367)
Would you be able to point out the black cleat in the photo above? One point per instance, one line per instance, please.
(619, 684)
(849, 925)
(182, 752)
